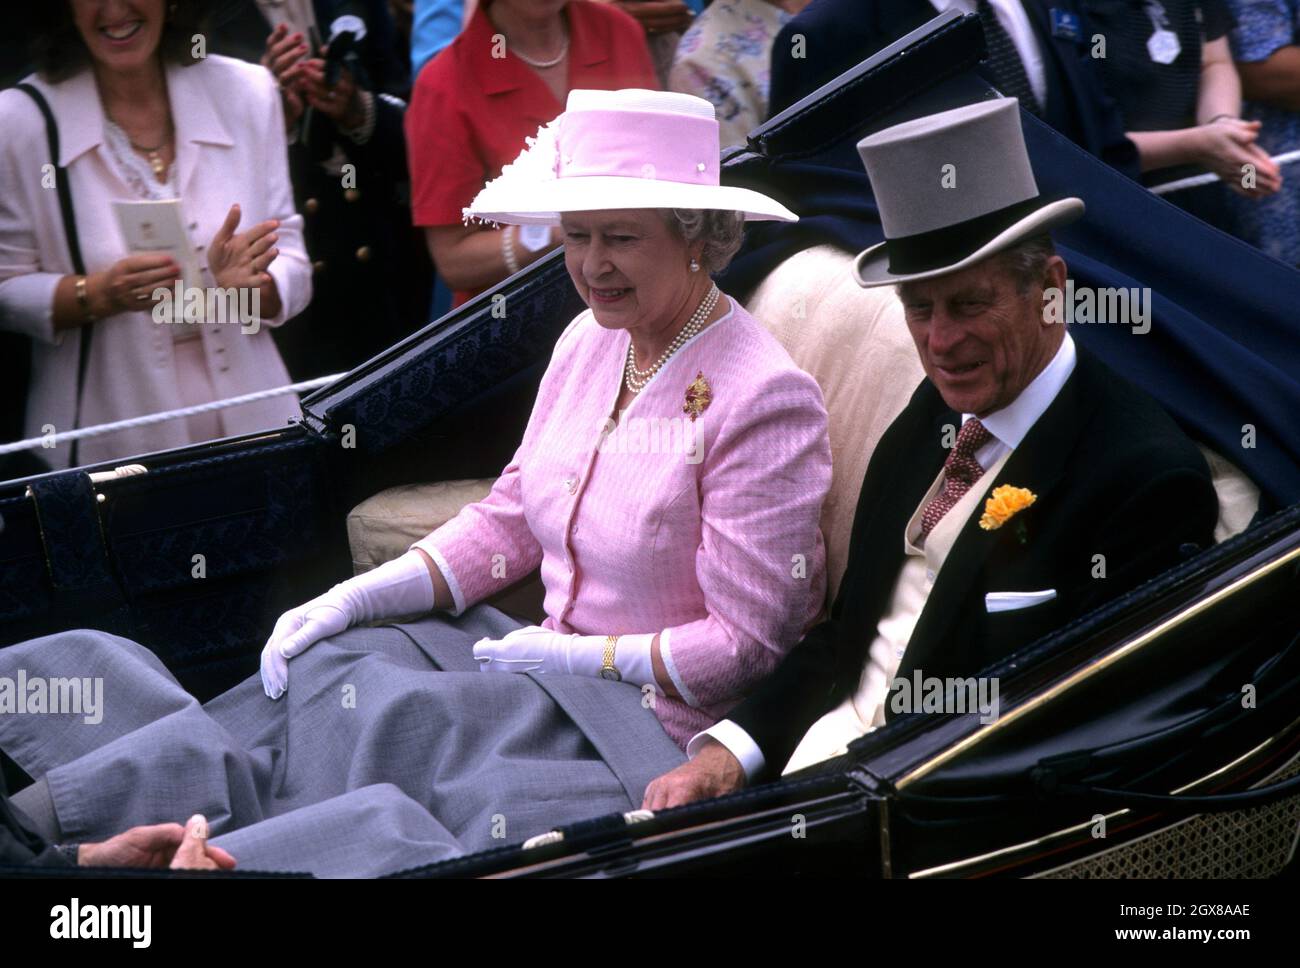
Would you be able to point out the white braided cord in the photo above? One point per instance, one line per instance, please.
(1192, 181)
(152, 418)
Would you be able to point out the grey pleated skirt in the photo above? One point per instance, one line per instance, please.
(390, 749)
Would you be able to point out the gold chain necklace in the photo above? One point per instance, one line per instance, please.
(152, 155)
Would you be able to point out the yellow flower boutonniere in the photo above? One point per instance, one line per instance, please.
(1005, 503)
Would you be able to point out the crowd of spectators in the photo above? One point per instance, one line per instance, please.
(332, 177)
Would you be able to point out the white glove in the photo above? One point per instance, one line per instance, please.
(398, 587)
(535, 649)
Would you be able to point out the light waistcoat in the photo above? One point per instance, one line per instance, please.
(865, 709)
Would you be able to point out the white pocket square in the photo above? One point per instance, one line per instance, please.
(1010, 601)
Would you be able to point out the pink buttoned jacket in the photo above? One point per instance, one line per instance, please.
(705, 530)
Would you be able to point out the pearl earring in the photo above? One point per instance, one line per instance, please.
(695, 266)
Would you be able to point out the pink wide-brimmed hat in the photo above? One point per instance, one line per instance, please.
(619, 149)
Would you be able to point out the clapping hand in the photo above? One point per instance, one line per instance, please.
(282, 57)
(340, 103)
(240, 261)
(129, 283)
(1230, 143)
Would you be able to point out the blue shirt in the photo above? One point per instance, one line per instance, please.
(1272, 223)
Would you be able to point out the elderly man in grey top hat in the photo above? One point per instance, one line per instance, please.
(1023, 485)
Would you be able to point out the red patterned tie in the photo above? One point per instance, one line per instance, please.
(960, 472)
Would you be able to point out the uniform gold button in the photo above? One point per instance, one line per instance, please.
(311, 206)
(318, 266)
(363, 254)
(352, 194)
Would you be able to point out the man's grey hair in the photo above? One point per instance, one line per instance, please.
(1026, 261)
(722, 232)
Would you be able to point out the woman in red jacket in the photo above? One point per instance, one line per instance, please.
(506, 75)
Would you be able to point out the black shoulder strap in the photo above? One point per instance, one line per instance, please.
(60, 177)
(70, 232)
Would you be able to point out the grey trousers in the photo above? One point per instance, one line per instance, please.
(389, 750)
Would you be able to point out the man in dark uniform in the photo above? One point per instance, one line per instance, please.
(372, 277)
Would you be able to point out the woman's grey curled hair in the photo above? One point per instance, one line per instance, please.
(722, 232)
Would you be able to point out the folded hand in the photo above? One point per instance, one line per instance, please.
(535, 649)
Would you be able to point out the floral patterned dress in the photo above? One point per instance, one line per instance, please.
(725, 58)
(1273, 223)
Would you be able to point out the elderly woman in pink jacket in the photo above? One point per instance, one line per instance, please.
(143, 116)
(669, 484)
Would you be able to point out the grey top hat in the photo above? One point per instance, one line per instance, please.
(953, 188)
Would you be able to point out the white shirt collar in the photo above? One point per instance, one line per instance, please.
(1010, 424)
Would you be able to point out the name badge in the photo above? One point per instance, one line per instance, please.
(1065, 25)
(1163, 47)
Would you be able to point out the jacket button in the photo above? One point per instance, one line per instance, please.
(318, 266)
(310, 206)
(1188, 548)
(352, 194)
(363, 254)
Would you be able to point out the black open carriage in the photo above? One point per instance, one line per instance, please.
(1157, 736)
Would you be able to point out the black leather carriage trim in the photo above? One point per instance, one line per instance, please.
(76, 554)
(733, 806)
(452, 361)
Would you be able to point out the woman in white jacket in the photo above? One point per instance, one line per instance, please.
(142, 114)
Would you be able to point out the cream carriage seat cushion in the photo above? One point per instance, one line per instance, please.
(384, 525)
(855, 344)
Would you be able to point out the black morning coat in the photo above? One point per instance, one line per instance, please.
(1113, 475)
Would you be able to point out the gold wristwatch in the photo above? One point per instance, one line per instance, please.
(607, 668)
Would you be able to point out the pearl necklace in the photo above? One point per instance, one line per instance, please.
(564, 50)
(636, 379)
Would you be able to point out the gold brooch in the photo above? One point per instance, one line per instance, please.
(1003, 504)
(698, 397)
